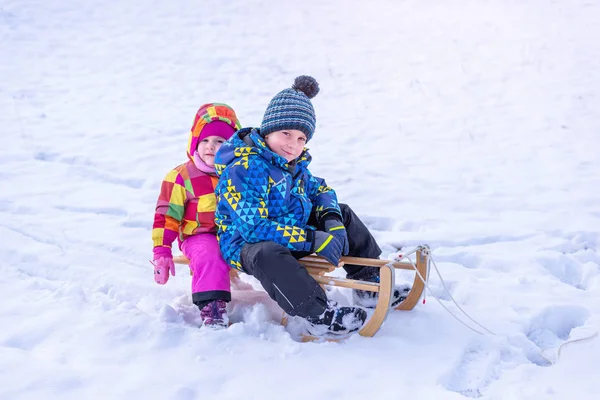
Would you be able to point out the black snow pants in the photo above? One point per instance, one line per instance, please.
(287, 281)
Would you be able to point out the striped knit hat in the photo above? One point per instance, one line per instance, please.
(291, 108)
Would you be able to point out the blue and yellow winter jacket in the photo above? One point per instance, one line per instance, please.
(261, 197)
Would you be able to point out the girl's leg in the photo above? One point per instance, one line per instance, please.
(210, 273)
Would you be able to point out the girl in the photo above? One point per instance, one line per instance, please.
(271, 211)
(185, 211)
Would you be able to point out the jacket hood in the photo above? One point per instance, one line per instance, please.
(206, 114)
(248, 141)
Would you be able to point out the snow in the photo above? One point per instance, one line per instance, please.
(471, 126)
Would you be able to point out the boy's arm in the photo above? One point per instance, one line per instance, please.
(245, 198)
(323, 198)
(169, 210)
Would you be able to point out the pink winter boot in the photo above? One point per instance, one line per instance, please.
(214, 315)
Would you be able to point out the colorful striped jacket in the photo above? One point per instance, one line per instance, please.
(186, 204)
(260, 197)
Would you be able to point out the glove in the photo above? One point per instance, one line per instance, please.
(335, 227)
(328, 246)
(163, 264)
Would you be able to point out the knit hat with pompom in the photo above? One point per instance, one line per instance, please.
(291, 108)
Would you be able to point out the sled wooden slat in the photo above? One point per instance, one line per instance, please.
(418, 285)
(320, 260)
(316, 271)
(373, 262)
(384, 301)
(347, 283)
(233, 273)
(319, 267)
(181, 260)
(384, 288)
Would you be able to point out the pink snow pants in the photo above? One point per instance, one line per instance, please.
(210, 273)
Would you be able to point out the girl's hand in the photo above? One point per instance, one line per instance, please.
(163, 264)
(162, 267)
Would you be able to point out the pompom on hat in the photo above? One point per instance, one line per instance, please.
(292, 109)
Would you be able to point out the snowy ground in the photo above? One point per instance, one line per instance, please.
(468, 125)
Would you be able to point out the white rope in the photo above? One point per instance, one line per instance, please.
(454, 301)
(425, 282)
(583, 339)
(562, 346)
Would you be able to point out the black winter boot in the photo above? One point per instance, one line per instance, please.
(336, 320)
(367, 299)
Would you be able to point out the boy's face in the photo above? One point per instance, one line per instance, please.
(208, 147)
(288, 143)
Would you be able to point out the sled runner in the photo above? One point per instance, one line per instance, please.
(319, 268)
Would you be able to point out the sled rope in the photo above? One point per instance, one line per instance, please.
(565, 344)
(426, 283)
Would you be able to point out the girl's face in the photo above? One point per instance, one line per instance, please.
(288, 143)
(208, 147)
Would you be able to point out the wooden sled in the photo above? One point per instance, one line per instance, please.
(319, 267)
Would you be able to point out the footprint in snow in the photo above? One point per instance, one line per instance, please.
(564, 268)
(476, 369)
(551, 328)
(574, 244)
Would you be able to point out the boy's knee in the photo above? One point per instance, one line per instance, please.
(346, 211)
(263, 254)
(268, 251)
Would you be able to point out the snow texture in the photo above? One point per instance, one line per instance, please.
(468, 125)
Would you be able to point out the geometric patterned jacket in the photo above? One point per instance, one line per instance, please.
(186, 204)
(262, 197)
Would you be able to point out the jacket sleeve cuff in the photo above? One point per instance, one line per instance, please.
(310, 240)
(329, 215)
(162, 251)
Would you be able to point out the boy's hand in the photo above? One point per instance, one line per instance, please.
(335, 227)
(328, 246)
